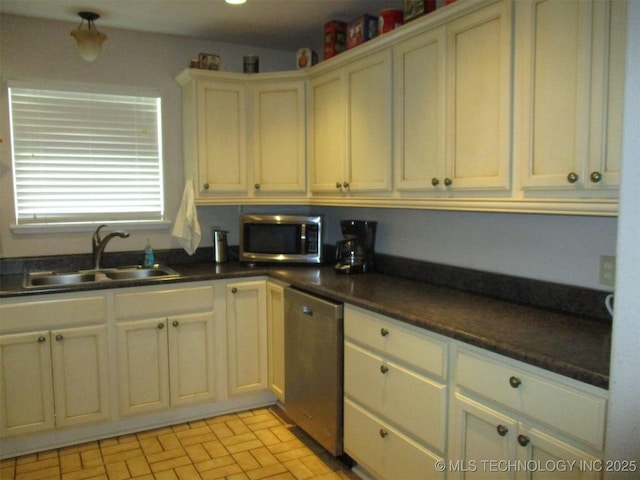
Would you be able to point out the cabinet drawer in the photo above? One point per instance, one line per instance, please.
(567, 409)
(384, 451)
(162, 303)
(411, 401)
(53, 313)
(406, 343)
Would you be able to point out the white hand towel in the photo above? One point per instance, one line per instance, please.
(186, 228)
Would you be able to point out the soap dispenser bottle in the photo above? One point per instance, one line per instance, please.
(149, 257)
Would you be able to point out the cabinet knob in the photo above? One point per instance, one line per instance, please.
(42, 339)
(234, 290)
(384, 332)
(502, 430)
(160, 326)
(448, 182)
(595, 177)
(435, 182)
(384, 369)
(59, 338)
(345, 184)
(515, 382)
(572, 177)
(523, 440)
(257, 186)
(175, 323)
(383, 433)
(206, 186)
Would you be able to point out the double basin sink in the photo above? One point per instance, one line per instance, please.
(54, 279)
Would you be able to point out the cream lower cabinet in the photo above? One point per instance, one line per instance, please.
(514, 423)
(275, 336)
(247, 337)
(166, 348)
(53, 378)
(395, 396)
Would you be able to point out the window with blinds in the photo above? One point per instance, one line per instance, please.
(85, 157)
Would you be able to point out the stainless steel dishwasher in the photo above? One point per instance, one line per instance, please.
(313, 366)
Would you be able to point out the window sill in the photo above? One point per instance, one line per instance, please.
(38, 228)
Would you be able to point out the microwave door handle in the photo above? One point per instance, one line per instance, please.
(303, 238)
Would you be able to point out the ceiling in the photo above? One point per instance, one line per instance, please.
(278, 24)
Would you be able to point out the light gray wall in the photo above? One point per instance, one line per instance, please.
(564, 249)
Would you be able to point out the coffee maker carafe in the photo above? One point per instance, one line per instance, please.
(355, 254)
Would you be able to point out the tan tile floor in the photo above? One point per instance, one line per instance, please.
(251, 445)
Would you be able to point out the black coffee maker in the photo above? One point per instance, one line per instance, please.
(355, 254)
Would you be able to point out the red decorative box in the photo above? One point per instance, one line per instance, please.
(335, 38)
(362, 29)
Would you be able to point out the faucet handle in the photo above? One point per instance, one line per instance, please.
(96, 237)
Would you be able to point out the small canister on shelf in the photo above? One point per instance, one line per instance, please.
(306, 57)
(251, 64)
(389, 19)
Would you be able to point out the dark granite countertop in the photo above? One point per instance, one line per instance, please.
(571, 345)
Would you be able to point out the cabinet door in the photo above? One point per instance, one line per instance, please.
(569, 104)
(81, 375)
(537, 448)
(191, 358)
(275, 333)
(479, 99)
(327, 140)
(279, 137)
(143, 366)
(247, 337)
(222, 137)
(369, 123)
(479, 433)
(419, 109)
(26, 386)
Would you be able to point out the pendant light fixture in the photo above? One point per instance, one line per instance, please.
(89, 40)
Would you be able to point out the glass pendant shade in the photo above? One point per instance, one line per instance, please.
(89, 41)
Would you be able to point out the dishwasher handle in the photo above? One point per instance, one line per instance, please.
(307, 310)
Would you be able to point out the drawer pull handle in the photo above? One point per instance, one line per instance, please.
(175, 323)
(383, 433)
(160, 326)
(523, 440)
(384, 332)
(502, 430)
(59, 338)
(41, 339)
(515, 382)
(384, 369)
(234, 290)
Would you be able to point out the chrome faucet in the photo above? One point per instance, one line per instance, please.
(98, 244)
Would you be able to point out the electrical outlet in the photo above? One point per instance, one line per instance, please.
(607, 270)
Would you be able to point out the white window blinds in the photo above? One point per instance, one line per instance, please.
(85, 157)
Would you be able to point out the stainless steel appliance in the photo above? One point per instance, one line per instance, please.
(356, 253)
(220, 252)
(281, 238)
(313, 366)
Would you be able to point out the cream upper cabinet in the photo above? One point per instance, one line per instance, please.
(419, 112)
(215, 133)
(279, 143)
(247, 337)
(350, 127)
(478, 99)
(568, 98)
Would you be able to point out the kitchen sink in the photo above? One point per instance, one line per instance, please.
(136, 272)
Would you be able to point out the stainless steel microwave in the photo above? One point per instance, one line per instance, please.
(281, 238)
